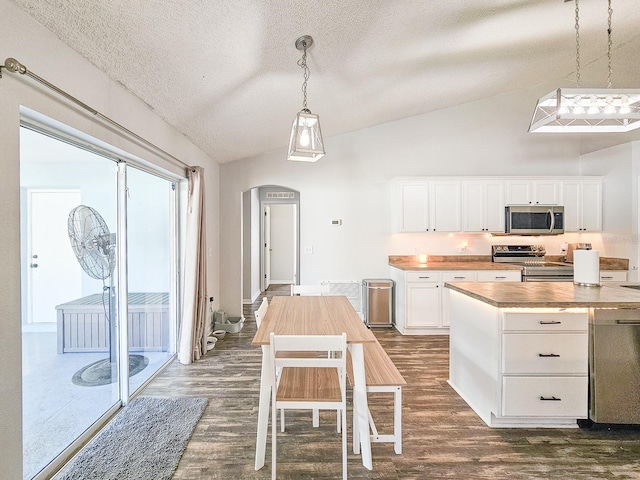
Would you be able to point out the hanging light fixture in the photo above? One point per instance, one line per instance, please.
(305, 144)
(569, 110)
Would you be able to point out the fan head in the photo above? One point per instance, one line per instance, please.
(91, 242)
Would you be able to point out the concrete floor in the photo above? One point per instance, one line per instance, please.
(55, 410)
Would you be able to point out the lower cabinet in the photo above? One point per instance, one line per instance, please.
(544, 365)
(422, 302)
(520, 367)
(613, 276)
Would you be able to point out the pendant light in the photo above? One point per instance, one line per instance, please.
(305, 143)
(583, 110)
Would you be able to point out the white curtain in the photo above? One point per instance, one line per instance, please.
(193, 328)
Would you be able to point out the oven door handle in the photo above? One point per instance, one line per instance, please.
(552, 220)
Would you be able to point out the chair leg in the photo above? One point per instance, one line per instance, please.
(274, 434)
(343, 418)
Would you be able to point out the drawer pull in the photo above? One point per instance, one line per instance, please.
(459, 278)
(604, 277)
(424, 277)
(554, 355)
(552, 399)
(550, 322)
(500, 277)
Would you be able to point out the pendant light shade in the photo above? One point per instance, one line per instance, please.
(582, 110)
(305, 142)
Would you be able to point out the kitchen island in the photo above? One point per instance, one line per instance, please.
(519, 352)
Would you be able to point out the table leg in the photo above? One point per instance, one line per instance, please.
(263, 406)
(361, 408)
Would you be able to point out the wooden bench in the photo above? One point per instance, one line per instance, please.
(381, 376)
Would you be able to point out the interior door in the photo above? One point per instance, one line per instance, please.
(54, 275)
(267, 247)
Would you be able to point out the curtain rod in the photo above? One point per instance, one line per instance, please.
(12, 65)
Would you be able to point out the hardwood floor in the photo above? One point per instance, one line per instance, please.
(443, 438)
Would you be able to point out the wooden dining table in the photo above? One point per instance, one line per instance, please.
(314, 315)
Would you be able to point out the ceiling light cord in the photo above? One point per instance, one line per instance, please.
(577, 45)
(302, 63)
(610, 12)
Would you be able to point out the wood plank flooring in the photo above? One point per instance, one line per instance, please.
(443, 438)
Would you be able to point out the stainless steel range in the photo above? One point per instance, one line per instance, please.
(531, 258)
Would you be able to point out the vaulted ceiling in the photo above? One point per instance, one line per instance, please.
(224, 72)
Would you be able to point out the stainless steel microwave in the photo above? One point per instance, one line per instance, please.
(534, 220)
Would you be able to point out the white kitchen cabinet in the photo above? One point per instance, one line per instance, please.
(422, 301)
(444, 206)
(428, 206)
(423, 305)
(520, 367)
(525, 191)
(544, 365)
(613, 276)
(582, 200)
(413, 206)
(483, 206)
(499, 276)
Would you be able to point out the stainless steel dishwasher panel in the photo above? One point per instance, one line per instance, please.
(614, 359)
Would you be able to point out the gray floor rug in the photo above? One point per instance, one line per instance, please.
(143, 442)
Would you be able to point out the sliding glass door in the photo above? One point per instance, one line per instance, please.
(78, 209)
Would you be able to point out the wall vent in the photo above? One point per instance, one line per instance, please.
(280, 194)
(352, 289)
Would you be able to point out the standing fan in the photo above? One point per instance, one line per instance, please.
(94, 247)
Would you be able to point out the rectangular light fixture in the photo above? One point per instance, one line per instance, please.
(581, 110)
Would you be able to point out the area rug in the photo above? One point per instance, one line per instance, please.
(145, 440)
(104, 372)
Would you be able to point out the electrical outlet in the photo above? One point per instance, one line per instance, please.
(308, 249)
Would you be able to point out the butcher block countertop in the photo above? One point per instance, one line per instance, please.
(550, 295)
(483, 262)
(450, 262)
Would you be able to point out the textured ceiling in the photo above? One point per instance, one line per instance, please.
(224, 73)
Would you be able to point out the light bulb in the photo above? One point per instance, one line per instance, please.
(305, 137)
(610, 108)
(578, 108)
(624, 104)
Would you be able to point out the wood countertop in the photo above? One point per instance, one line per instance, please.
(483, 262)
(466, 262)
(550, 295)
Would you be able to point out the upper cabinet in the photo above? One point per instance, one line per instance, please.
(427, 206)
(483, 206)
(524, 191)
(476, 204)
(582, 200)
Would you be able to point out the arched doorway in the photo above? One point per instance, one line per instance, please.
(270, 239)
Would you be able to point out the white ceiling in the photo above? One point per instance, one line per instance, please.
(224, 73)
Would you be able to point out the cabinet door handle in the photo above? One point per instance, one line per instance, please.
(554, 355)
(551, 322)
(551, 399)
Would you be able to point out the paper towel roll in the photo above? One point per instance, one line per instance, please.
(586, 267)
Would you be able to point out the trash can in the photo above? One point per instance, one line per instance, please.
(378, 296)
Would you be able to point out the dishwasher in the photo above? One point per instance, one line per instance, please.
(614, 366)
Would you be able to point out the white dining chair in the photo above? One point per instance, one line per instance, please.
(310, 382)
(261, 311)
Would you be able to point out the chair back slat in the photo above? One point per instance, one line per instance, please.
(261, 311)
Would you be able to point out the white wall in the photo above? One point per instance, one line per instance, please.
(44, 54)
(351, 183)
